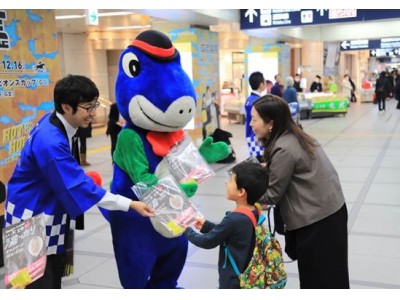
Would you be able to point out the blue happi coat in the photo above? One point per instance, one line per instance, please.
(253, 145)
(48, 179)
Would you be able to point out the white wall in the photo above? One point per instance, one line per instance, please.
(78, 57)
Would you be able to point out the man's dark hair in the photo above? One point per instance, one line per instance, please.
(252, 178)
(255, 79)
(319, 77)
(72, 90)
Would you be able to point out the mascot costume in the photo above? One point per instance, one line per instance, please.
(157, 99)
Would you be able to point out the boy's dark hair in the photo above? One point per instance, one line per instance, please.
(255, 79)
(72, 90)
(252, 178)
(319, 77)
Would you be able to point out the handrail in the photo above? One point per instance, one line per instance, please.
(104, 102)
(102, 115)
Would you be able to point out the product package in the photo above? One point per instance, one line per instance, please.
(173, 210)
(185, 163)
(24, 252)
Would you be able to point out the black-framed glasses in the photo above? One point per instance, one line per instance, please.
(91, 108)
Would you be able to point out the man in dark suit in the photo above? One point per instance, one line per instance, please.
(316, 86)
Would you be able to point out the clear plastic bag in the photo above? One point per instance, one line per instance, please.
(185, 162)
(140, 189)
(25, 252)
(173, 209)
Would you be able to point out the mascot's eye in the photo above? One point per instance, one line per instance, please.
(130, 64)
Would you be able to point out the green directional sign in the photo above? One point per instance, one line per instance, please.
(92, 17)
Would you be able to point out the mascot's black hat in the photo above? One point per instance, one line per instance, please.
(155, 44)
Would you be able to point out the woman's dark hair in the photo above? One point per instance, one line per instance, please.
(72, 90)
(271, 107)
(252, 178)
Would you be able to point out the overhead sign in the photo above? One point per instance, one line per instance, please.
(384, 52)
(268, 18)
(92, 17)
(354, 45)
(385, 43)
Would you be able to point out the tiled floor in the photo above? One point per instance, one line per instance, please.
(364, 146)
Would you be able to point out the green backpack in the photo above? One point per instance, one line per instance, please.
(265, 269)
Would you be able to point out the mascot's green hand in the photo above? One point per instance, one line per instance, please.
(213, 152)
(189, 187)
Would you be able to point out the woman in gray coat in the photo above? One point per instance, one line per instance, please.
(306, 186)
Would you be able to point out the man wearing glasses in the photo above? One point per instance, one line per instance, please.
(48, 178)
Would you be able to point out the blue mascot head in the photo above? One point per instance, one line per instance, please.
(153, 92)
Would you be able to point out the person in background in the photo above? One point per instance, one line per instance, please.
(346, 87)
(382, 90)
(277, 88)
(332, 86)
(83, 134)
(316, 86)
(353, 97)
(268, 86)
(2, 199)
(397, 89)
(257, 84)
(114, 126)
(390, 75)
(245, 185)
(290, 93)
(306, 186)
(296, 84)
(48, 178)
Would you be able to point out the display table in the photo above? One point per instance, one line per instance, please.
(235, 111)
(232, 104)
(323, 104)
(367, 95)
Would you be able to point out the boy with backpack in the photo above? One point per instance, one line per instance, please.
(236, 232)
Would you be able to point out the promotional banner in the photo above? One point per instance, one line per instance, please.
(29, 68)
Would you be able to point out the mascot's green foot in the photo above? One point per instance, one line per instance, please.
(213, 152)
(189, 187)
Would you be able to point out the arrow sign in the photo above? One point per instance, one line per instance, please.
(92, 17)
(344, 45)
(373, 52)
(251, 13)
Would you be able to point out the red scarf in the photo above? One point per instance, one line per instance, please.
(162, 142)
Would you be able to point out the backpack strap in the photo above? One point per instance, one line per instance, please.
(229, 256)
(248, 213)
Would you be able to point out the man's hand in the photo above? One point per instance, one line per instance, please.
(142, 208)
